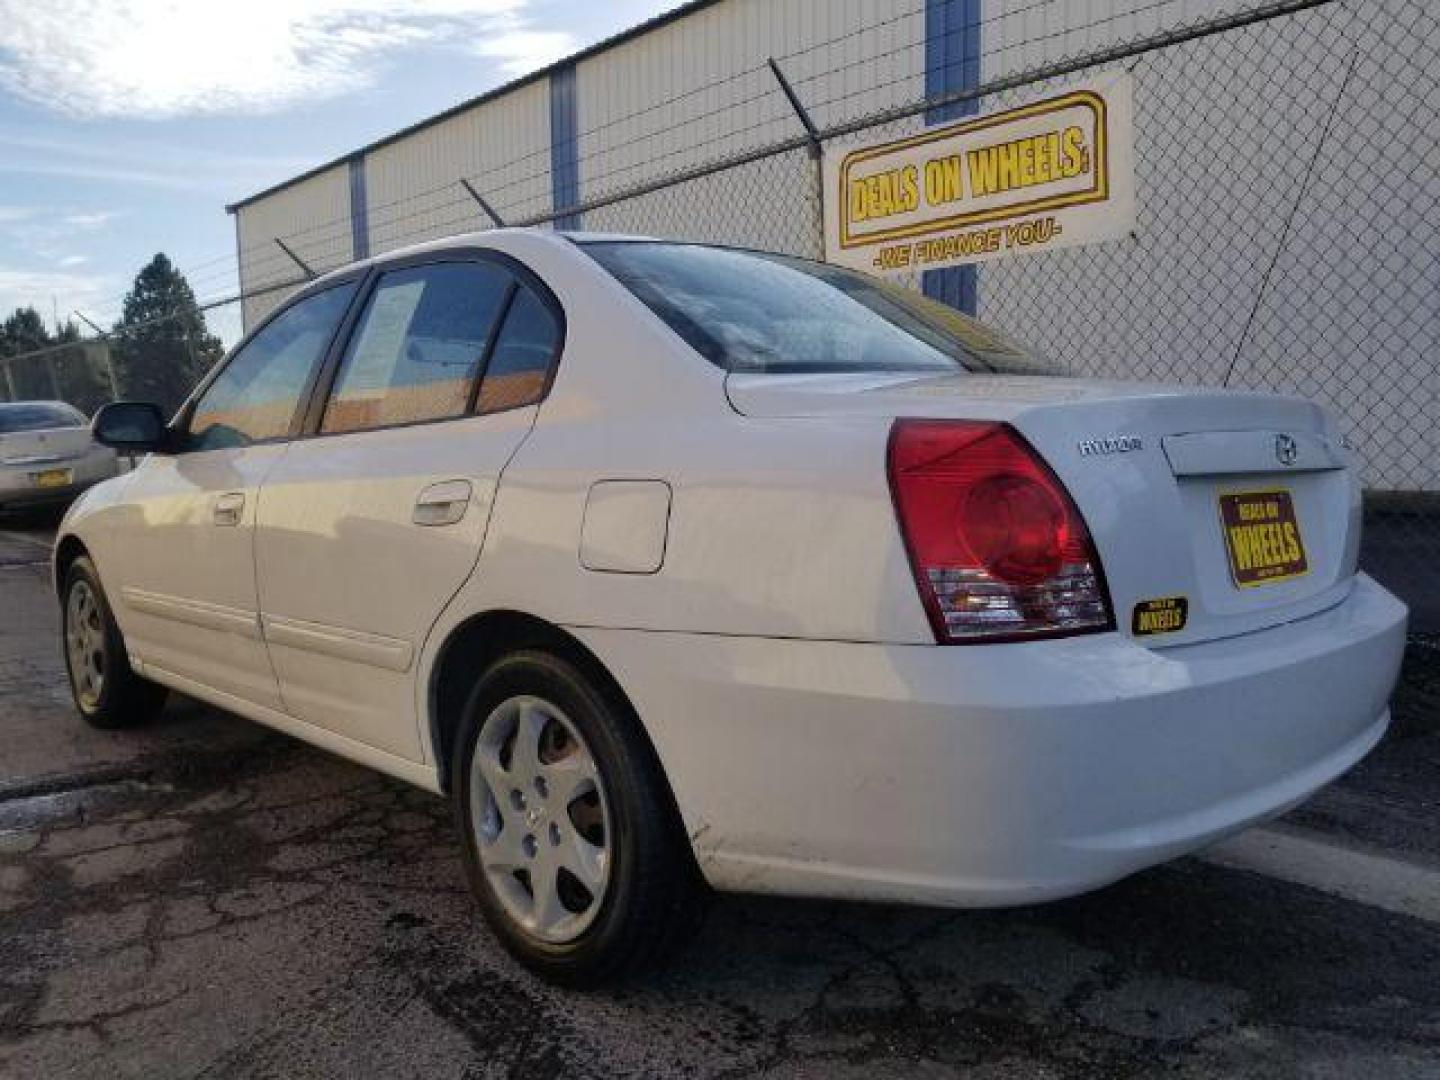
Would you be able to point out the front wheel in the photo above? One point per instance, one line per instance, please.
(572, 844)
(107, 692)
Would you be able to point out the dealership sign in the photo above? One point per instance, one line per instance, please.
(1053, 173)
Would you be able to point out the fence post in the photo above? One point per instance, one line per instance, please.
(295, 258)
(110, 371)
(100, 340)
(817, 148)
(489, 210)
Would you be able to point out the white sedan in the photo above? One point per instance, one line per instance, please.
(47, 455)
(674, 564)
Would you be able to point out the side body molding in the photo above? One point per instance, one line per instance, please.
(376, 650)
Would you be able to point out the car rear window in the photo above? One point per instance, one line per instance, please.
(39, 416)
(749, 311)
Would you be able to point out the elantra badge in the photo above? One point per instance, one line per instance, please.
(1118, 444)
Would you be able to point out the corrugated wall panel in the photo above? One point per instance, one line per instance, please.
(502, 147)
(688, 92)
(1020, 35)
(1225, 130)
(312, 217)
(698, 90)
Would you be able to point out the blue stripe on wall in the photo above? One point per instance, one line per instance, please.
(952, 62)
(359, 210)
(564, 146)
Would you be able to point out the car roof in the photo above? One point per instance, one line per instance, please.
(483, 238)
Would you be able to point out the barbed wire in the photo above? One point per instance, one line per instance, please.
(1270, 139)
(268, 258)
(261, 255)
(263, 260)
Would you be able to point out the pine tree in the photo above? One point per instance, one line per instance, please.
(24, 332)
(163, 347)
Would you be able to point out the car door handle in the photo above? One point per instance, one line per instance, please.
(229, 508)
(442, 504)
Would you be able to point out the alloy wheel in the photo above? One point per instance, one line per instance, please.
(542, 820)
(85, 643)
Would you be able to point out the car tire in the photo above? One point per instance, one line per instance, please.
(106, 690)
(648, 896)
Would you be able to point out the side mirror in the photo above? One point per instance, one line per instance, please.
(131, 427)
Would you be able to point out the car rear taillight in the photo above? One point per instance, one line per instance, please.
(998, 548)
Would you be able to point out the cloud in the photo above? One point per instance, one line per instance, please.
(37, 288)
(151, 59)
(520, 51)
(49, 235)
(92, 220)
(149, 163)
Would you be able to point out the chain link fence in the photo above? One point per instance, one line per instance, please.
(1288, 235)
(1288, 232)
(158, 359)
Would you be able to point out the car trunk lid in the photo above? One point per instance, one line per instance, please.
(1214, 512)
(41, 449)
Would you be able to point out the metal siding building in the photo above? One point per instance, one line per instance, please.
(313, 216)
(686, 88)
(412, 182)
(1219, 155)
(1324, 321)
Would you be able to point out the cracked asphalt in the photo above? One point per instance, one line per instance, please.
(205, 898)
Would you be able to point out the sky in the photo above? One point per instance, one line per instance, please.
(126, 126)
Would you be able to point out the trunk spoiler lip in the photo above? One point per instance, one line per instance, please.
(1230, 453)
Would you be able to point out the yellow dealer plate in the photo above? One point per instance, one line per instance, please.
(52, 478)
(1163, 615)
(1262, 537)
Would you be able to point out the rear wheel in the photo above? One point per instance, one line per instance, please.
(572, 845)
(106, 690)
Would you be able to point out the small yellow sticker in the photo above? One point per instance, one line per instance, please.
(1161, 616)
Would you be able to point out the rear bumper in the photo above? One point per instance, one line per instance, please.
(32, 498)
(1002, 774)
(28, 498)
(18, 489)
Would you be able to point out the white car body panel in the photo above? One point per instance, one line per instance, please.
(625, 526)
(402, 768)
(728, 549)
(1159, 533)
(182, 583)
(997, 774)
(648, 398)
(350, 585)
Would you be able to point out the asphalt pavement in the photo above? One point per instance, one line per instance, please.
(206, 898)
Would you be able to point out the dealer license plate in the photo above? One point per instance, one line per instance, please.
(52, 478)
(1262, 537)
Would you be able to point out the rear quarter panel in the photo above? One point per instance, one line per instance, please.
(778, 527)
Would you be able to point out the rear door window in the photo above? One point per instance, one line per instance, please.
(419, 346)
(519, 368)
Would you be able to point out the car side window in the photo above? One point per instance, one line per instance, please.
(418, 347)
(255, 396)
(519, 368)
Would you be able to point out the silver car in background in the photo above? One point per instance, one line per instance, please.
(47, 456)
